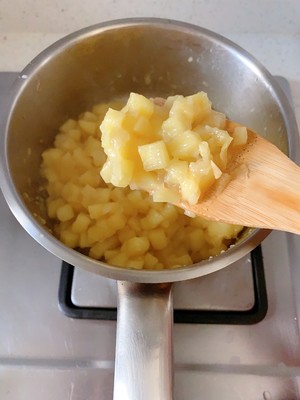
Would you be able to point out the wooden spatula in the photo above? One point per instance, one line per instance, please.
(260, 188)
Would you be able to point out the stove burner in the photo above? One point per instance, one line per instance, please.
(227, 317)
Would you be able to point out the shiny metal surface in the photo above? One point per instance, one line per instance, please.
(144, 364)
(110, 60)
(228, 289)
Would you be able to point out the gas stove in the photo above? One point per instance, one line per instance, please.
(236, 333)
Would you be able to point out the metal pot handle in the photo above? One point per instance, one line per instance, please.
(144, 353)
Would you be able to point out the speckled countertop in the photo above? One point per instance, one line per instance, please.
(268, 29)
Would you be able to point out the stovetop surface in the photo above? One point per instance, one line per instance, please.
(46, 355)
(230, 289)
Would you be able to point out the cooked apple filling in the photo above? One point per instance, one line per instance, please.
(120, 226)
(174, 150)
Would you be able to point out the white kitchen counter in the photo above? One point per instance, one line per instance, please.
(268, 29)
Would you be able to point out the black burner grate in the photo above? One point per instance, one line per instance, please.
(246, 317)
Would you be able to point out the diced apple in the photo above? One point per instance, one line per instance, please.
(154, 155)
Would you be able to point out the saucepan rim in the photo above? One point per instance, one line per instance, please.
(47, 240)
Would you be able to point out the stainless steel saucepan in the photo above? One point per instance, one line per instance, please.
(154, 57)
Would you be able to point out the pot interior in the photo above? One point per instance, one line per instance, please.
(102, 63)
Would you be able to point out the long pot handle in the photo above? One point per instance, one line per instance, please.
(144, 351)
